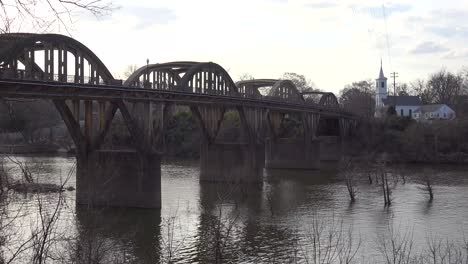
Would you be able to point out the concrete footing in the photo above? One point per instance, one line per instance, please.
(119, 179)
(285, 153)
(232, 162)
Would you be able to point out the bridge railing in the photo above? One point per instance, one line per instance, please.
(22, 75)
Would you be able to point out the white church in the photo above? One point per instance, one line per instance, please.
(409, 106)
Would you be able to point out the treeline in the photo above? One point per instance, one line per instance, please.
(406, 140)
(441, 87)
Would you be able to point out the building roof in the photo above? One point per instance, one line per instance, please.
(430, 108)
(402, 100)
(381, 75)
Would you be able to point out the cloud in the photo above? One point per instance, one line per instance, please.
(149, 16)
(448, 31)
(321, 5)
(457, 54)
(378, 11)
(428, 47)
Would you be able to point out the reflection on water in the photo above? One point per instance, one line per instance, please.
(133, 231)
(257, 223)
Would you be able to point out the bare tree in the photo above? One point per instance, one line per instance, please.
(327, 240)
(170, 244)
(41, 15)
(383, 172)
(396, 247)
(427, 187)
(302, 83)
(130, 70)
(246, 77)
(348, 171)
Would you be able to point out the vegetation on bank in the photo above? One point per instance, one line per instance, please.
(406, 140)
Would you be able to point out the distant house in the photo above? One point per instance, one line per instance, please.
(434, 112)
(404, 105)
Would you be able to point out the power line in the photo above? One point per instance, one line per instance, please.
(386, 35)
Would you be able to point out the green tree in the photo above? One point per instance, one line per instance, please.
(358, 97)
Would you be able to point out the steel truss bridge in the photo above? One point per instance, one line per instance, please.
(61, 69)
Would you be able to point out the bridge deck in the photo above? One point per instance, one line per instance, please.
(56, 90)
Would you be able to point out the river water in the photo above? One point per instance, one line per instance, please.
(267, 223)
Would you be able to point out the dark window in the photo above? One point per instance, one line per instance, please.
(401, 112)
(410, 112)
(445, 115)
(382, 84)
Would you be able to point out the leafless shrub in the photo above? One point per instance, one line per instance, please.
(170, 245)
(427, 187)
(329, 241)
(3, 177)
(24, 167)
(396, 247)
(45, 234)
(384, 181)
(221, 223)
(444, 252)
(87, 246)
(348, 171)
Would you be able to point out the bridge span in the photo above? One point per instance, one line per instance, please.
(64, 71)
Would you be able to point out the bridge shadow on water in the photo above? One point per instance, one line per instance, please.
(115, 235)
(244, 209)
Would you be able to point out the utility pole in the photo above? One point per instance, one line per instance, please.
(394, 75)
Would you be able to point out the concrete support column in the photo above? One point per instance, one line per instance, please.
(331, 148)
(232, 162)
(286, 153)
(119, 178)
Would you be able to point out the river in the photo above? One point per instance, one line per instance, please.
(267, 223)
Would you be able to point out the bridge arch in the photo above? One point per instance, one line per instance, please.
(286, 90)
(18, 59)
(208, 78)
(280, 89)
(160, 76)
(325, 99)
(250, 88)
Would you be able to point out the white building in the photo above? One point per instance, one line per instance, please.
(407, 106)
(381, 92)
(404, 105)
(434, 112)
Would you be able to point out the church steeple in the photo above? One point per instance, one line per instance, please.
(380, 88)
(381, 75)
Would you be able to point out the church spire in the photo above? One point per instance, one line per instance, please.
(381, 75)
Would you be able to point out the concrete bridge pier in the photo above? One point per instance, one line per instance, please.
(292, 153)
(119, 178)
(332, 148)
(232, 162)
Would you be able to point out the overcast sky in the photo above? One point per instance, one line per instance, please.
(331, 42)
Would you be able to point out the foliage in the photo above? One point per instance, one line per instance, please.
(359, 98)
(302, 83)
(182, 136)
(28, 118)
(391, 111)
